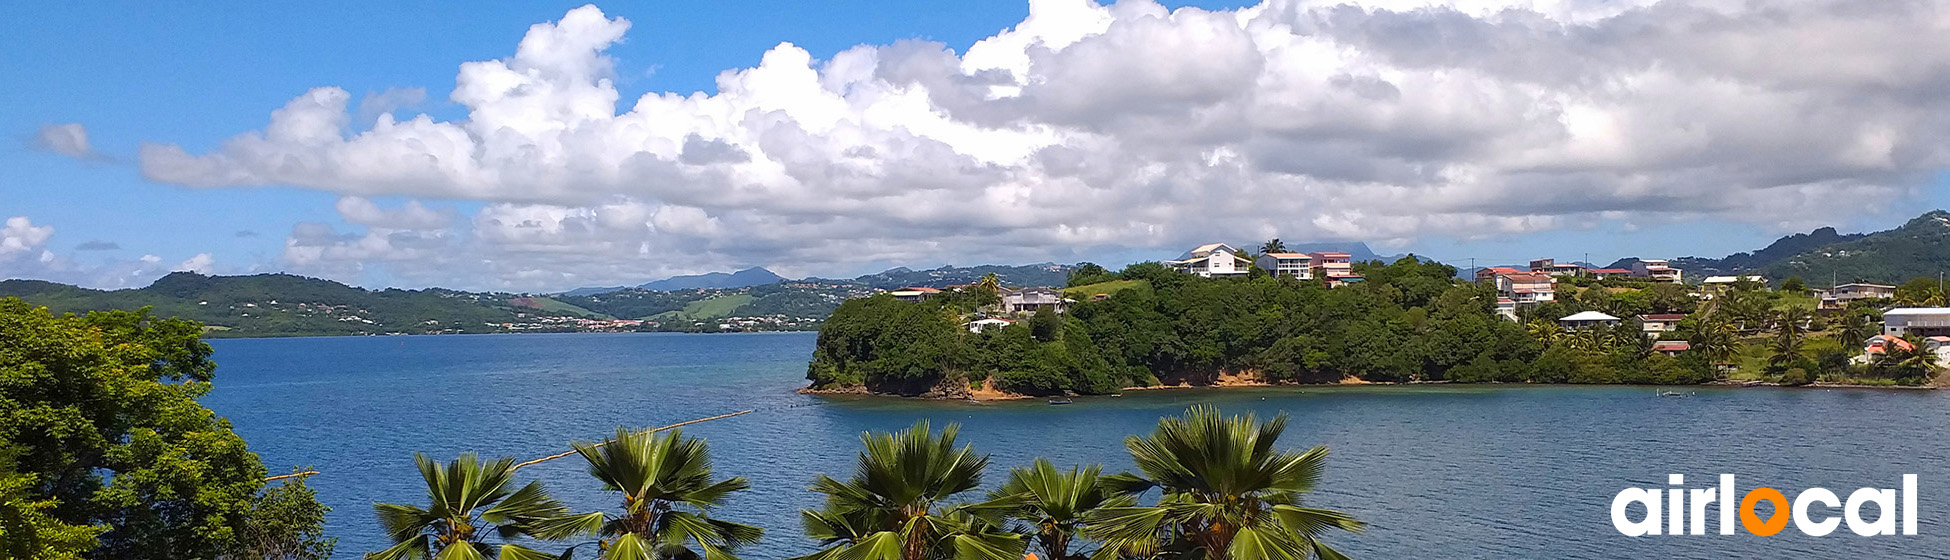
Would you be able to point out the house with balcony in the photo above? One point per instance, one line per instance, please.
(1846, 293)
(1658, 324)
(1212, 260)
(913, 293)
(1656, 270)
(1031, 300)
(1551, 267)
(1287, 265)
(1919, 321)
(1521, 287)
(1335, 268)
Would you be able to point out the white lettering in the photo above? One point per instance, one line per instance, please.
(1885, 501)
(1626, 497)
(1807, 525)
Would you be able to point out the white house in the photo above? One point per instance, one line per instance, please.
(1212, 259)
(1919, 321)
(980, 325)
(913, 293)
(1586, 320)
(1290, 265)
(1522, 287)
(1031, 300)
(1656, 324)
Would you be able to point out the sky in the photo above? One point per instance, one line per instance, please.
(543, 146)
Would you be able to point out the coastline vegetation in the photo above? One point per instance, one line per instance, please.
(105, 452)
(1410, 321)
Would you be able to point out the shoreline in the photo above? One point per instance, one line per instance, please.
(989, 394)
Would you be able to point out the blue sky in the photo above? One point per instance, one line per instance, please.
(197, 75)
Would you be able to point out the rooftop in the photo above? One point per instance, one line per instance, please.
(1589, 316)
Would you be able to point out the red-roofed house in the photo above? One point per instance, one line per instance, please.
(1602, 273)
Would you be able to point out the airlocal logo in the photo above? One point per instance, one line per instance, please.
(1683, 510)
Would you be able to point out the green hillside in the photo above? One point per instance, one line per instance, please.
(1920, 248)
(286, 305)
(710, 308)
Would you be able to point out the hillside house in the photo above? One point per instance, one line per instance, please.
(1671, 347)
(1585, 320)
(1656, 324)
(1524, 288)
(1846, 293)
(1336, 268)
(980, 325)
(1919, 321)
(1603, 273)
(1031, 300)
(1212, 260)
(1656, 270)
(1551, 267)
(913, 293)
(1288, 265)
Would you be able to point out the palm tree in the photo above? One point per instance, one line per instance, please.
(1856, 328)
(895, 507)
(1715, 339)
(1545, 331)
(1272, 246)
(472, 501)
(1910, 360)
(991, 284)
(1054, 503)
(1227, 494)
(668, 490)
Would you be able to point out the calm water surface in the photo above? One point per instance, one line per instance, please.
(1438, 472)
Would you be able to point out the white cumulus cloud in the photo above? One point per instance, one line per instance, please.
(1089, 127)
(66, 139)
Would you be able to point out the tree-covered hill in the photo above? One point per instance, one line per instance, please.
(288, 305)
(1920, 248)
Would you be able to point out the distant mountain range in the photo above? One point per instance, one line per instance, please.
(1919, 248)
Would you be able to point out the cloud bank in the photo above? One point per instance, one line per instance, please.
(1089, 128)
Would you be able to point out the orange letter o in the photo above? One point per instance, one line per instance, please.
(1775, 522)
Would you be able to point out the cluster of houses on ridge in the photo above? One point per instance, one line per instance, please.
(1516, 288)
(1219, 260)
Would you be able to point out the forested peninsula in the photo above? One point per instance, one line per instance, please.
(1410, 321)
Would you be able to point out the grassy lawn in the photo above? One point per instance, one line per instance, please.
(553, 306)
(1111, 287)
(721, 306)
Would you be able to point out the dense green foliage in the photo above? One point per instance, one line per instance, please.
(1410, 321)
(101, 427)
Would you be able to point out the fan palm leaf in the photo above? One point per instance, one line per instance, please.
(668, 489)
(1227, 493)
(896, 504)
(470, 501)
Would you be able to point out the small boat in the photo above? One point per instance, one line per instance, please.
(1059, 401)
(1674, 394)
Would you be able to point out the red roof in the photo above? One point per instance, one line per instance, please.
(1330, 255)
(1663, 317)
(1610, 271)
(1671, 346)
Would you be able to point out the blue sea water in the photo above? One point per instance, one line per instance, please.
(1437, 471)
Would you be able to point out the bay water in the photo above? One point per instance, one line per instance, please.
(1438, 471)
